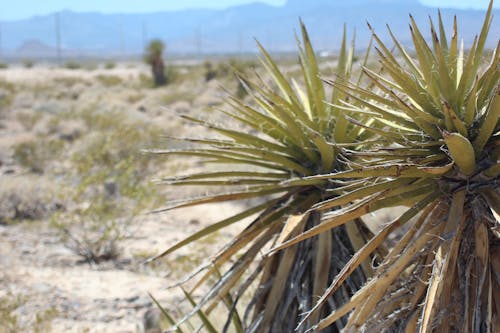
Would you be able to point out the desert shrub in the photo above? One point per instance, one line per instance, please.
(69, 130)
(243, 66)
(176, 95)
(110, 128)
(27, 199)
(171, 74)
(53, 124)
(109, 65)
(43, 320)
(91, 66)
(92, 231)
(4, 65)
(70, 81)
(103, 160)
(144, 81)
(28, 63)
(28, 119)
(72, 65)
(6, 85)
(9, 320)
(224, 69)
(135, 97)
(210, 71)
(7, 94)
(106, 156)
(109, 80)
(36, 154)
(112, 184)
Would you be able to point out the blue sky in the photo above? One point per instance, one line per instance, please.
(477, 4)
(17, 9)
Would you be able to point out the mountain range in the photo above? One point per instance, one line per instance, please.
(231, 30)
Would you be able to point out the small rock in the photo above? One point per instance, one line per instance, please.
(132, 299)
(143, 302)
(110, 188)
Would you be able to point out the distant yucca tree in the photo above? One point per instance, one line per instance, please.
(154, 58)
(293, 134)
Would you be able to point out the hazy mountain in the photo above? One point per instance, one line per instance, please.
(229, 30)
(34, 48)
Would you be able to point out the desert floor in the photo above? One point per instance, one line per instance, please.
(76, 189)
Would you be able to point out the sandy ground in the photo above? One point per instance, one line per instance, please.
(110, 297)
(20, 74)
(38, 272)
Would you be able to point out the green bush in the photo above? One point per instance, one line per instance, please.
(27, 198)
(171, 75)
(210, 71)
(7, 95)
(91, 66)
(144, 81)
(109, 80)
(176, 96)
(110, 65)
(91, 233)
(28, 63)
(70, 81)
(135, 97)
(112, 184)
(229, 67)
(9, 320)
(29, 119)
(243, 66)
(72, 65)
(36, 154)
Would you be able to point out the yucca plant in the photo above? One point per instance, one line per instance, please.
(154, 57)
(425, 134)
(439, 114)
(292, 131)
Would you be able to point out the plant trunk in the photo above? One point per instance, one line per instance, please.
(158, 71)
(467, 293)
(317, 262)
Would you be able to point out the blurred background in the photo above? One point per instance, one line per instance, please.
(62, 29)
